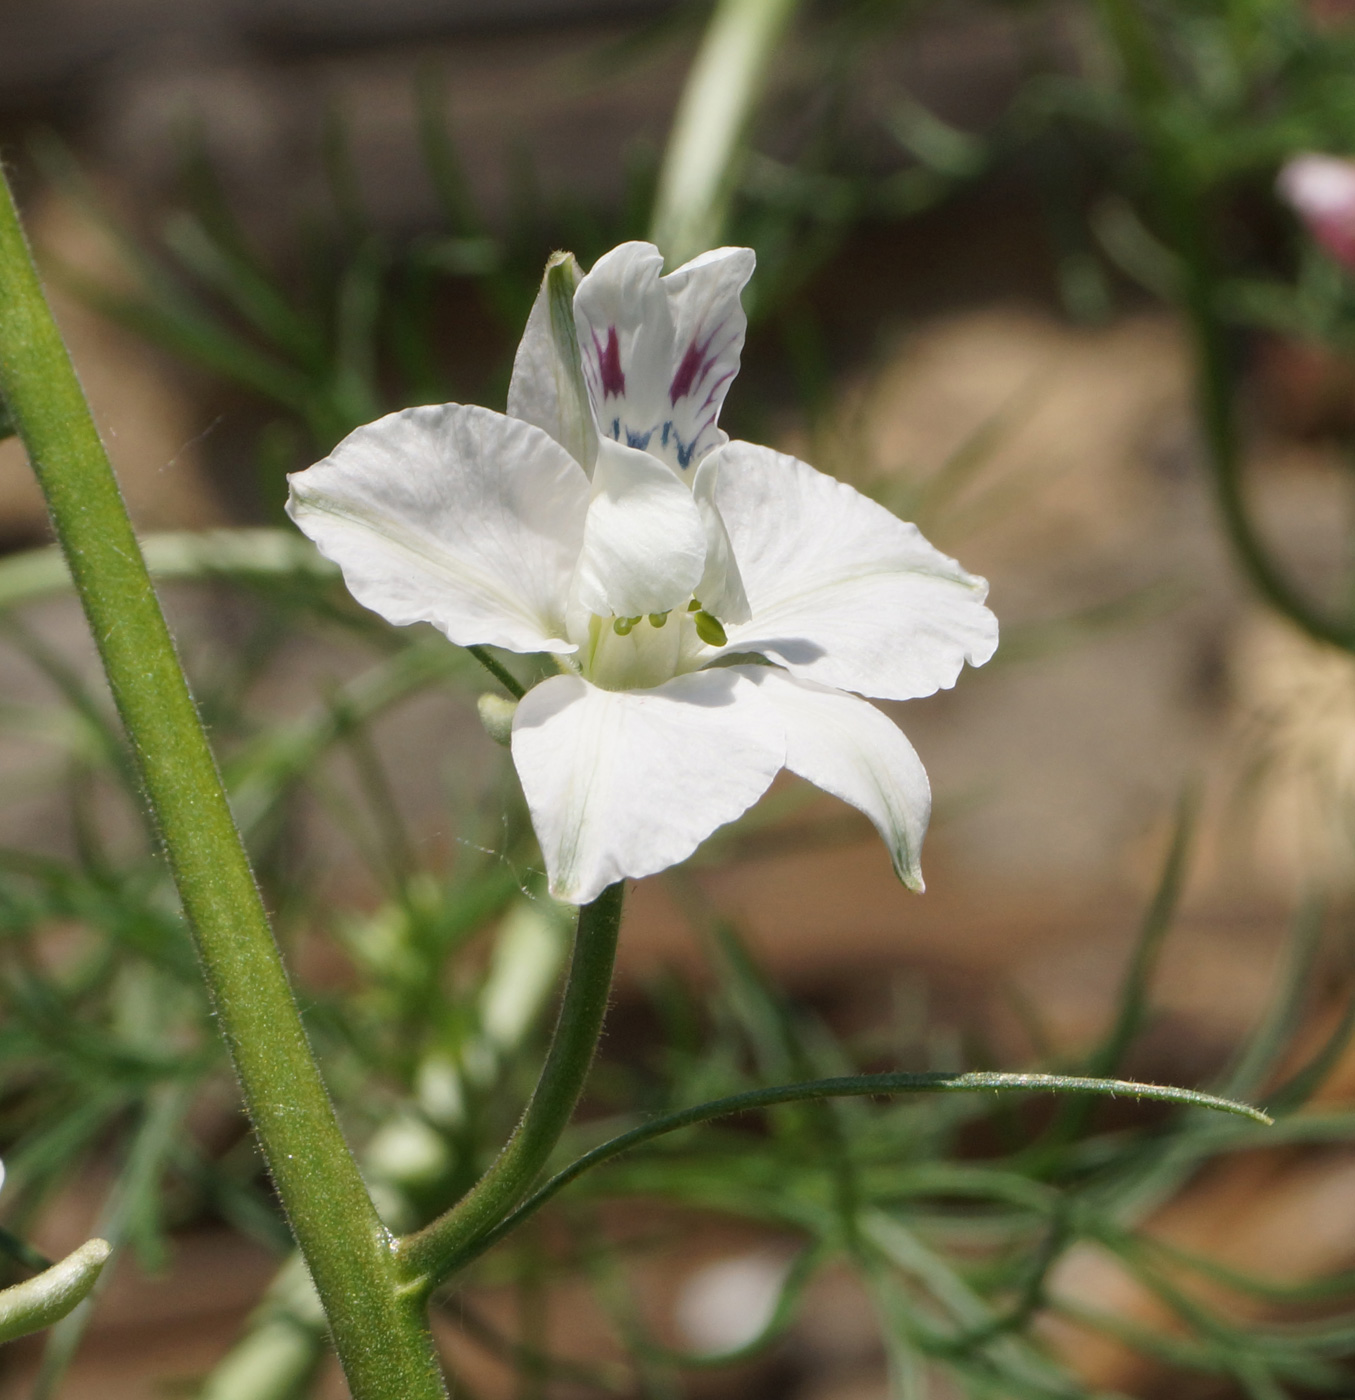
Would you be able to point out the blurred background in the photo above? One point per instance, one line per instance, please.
(1024, 276)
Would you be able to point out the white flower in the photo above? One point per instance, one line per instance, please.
(716, 608)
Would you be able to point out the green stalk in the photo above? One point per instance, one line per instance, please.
(701, 161)
(380, 1333)
(1184, 207)
(1182, 203)
(1216, 390)
(434, 1252)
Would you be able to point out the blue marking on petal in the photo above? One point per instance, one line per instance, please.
(616, 430)
(640, 440)
(667, 428)
(684, 454)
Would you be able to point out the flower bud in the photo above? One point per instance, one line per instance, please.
(496, 714)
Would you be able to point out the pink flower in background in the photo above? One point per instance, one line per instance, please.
(1321, 190)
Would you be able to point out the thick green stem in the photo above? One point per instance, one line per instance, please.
(432, 1254)
(379, 1331)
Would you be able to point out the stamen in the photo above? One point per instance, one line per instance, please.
(622, 625)
(657, 619)
(710, 631)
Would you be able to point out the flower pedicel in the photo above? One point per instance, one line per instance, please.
(717, 609)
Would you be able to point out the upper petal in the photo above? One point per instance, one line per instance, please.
(841, 591)
(658, 352)
(626, 783)
(548, 387)
(453, 515)
(644, 543)
(845, 746)
(625, 331)
(708, 332)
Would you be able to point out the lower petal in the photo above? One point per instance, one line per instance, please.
(847, 747)
(626, 783)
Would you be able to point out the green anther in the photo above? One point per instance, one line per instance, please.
(657, 619)
(709, 630)
(694, 605)
(622, 625)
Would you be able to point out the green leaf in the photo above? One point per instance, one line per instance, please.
(853, 1086)
(1285, 1013)
(705, 145)
(255, 296)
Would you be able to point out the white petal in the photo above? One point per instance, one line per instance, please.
(847, 747)
(644, 545)
(659, 352)
(708, 331)
(721, 586)
(625, 330)
(626, 783)
(843, 592)
(547, 387)
(452, 515)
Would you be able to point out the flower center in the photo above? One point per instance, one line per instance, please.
(638, 653)
(630, 653)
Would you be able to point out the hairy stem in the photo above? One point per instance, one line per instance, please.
(435, 1251)
(380, 1334)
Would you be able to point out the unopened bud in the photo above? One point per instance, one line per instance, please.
(496, 714)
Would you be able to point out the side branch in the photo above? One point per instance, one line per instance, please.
(431, 1255)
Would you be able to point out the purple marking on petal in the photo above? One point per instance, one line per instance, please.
(715, 389)
(609, 365)
(698, 362)
(688, 370)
